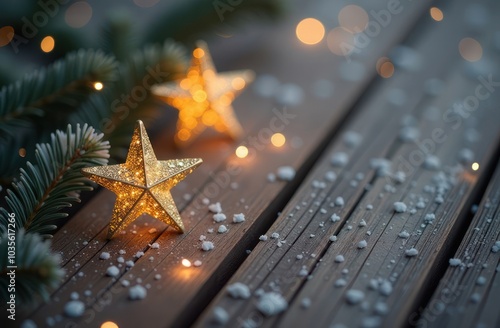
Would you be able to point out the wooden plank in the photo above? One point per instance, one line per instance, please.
(192, 288)
(468, 293)
(271, 267)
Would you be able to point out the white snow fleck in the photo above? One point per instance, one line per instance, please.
(137, 292)
(305, 303)
(285, 173)
(432, 162)
(409, 134)
(369, 207)
(381, 308)
(125, 283)
(112, 271)
(219, 217)
(339, 201)
(222, 229)
(335, 218)
(404, 234)
(385, 287)
(496, 247)
(466, 156)
(207, 246)
(139, 254)
(480, 280)
(238, 218)
(354, 296)
(299, 256)
(155, 245)
(411, 252)
(157, 276)
(352, 139)
(275, 235)
(381, 166)
(455, 262)
(271, 304)
(333, 238)
(197, 263)
(340, 282)
(122, 252)
(104, 256)
(205, 201)
(74, 309)
(429, 218)
(215, 208)
(202, 237)
(339, 159)
(129, 264)
(238, 290)
(400, 207)
(339, 258)
(263, 238)
(74, 296)
(362, 244)
(362, 223)
(28, 323)
(220, 316)
(330, 176)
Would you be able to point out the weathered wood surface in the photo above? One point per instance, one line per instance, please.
(371, 107)
(468, 293)
(305, 226)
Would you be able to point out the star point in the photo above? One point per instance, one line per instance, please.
(142, 184)
(204, 98)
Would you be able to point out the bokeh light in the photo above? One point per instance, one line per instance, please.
(278, 140)
(78, 14)
(353, 18)
(186, 263)
(6, 35)
(310, 31)
(475, 166)
(109, 324)
(436, 14)
(340, 41)
(98, 86)
(241, 152)
(385, 68)
(48, 43)
(470, 49)
(22, 152)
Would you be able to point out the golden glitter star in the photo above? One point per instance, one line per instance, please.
(204, 97)
(142, 184)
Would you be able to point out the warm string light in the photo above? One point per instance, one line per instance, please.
(186, 263)
(22, 152)
(109, 324)
(385, 68)
(98, 86)
(6, 35)
(278, 140)
(436, 14)
(475, 166)
(353, 18)
(310, 31)
(241, 152)
(48, 43)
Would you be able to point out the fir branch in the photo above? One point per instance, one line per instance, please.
(38, 269)
(54, 91)
(55, 181)
(186, 20)
(115, 111)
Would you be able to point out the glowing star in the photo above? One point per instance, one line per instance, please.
(204, 98)
(142, 184)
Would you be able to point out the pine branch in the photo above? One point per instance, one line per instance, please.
(54, 182)
(38, 269)
(188, 19)
(115, 111)
(54, 91)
